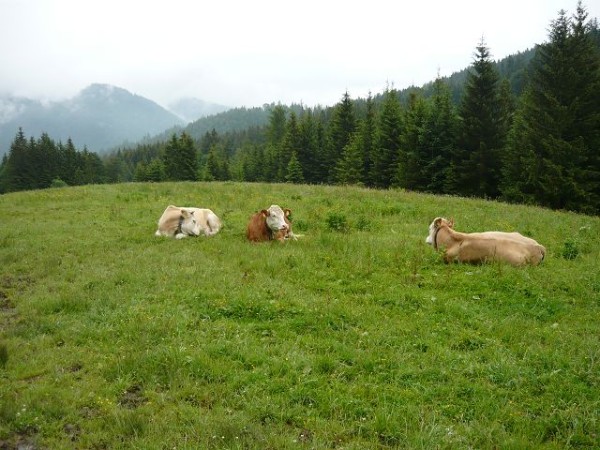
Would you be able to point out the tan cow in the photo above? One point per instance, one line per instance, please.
(270, 224)
(488, 246)
(183, 221)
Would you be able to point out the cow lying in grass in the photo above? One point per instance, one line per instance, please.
(184, 221)
(513, 248)
(270, 224)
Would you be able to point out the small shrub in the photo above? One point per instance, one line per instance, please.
(3, 355)
(58, 183)
(570, 250)
(337, 222)
(363, 224)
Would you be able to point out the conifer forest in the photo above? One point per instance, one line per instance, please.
(532, 138)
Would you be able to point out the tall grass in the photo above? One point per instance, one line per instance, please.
(354, 336)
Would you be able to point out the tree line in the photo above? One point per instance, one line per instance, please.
(540, 147)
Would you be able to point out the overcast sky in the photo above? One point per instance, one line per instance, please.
(251, 52)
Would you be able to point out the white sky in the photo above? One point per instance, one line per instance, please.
(251, 52)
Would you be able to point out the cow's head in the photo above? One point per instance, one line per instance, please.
(188, 223)
(437, 223)
(276, 218)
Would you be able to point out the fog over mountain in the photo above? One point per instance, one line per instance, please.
(191, 109)
(100, 117)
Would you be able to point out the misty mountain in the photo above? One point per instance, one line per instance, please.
(191, 109)
(100, 117)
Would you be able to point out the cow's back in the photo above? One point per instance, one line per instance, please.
(511, 236)
(517, 253)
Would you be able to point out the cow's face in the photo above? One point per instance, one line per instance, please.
(276, 218)
(189, 224)
(435, 225)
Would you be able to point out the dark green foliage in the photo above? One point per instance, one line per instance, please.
(388, 141)
(37, 164)
(412, 155)
(337, 222)
(217, 165)
(552, 155)
(570, 250)
(294, 170)
(288, 146)
(57, 183)
(3, 356)
(180, 158)
(439, 140)
(350, 166)
(343, 125)
(477, 164)
(367, 134)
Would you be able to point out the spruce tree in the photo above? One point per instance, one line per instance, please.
(477, 162)
(552, 154)
(412, 157)
(69, 163)
(388, 141)
(4, 175)
(367, 134)
(48, 167)
(294, 170)
(439, 139)
(288, 146)
(180, 158)
(171, 158)
(308, 146)
(350, 166)
(276, 127)
(17, 166)
(343, 125)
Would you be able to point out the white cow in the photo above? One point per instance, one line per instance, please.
(184, 221)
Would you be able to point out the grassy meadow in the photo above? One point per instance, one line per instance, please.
(355, 336)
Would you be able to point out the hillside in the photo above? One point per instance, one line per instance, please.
(100, 117)
(354, 336)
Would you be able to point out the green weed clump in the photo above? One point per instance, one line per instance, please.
(356, 335)
(337, 222)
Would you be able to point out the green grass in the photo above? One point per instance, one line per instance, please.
(356, 336)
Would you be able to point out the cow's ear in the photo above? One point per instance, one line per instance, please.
(264, 213)
(437, 222)
(451, 222)
(287, 212)
(185, 213)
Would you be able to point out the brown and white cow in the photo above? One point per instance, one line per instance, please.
(270, 224)
(183, 221)
(513, 248)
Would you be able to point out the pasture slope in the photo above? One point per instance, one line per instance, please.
(355, 336)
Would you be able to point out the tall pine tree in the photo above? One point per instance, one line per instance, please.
(412, 157)
(343, 125)
(439, 138)
(552, 154)
(477, 163)
(180, 158)
(388, 141)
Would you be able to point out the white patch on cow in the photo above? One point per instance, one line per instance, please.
(276, 218)
(430, 239)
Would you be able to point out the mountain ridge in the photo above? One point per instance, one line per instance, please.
(99, 118)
